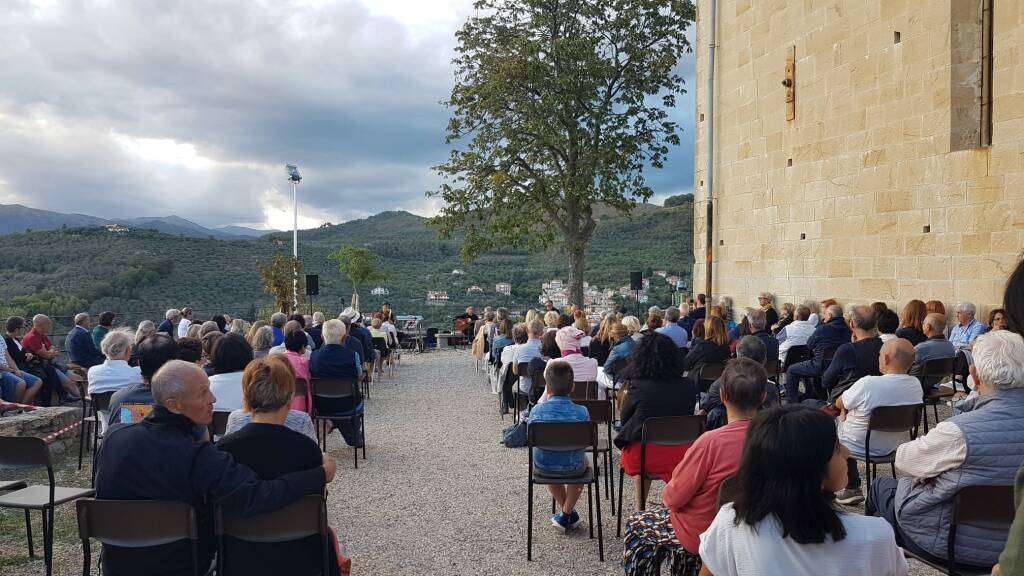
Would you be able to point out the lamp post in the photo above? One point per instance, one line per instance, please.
(294, 177)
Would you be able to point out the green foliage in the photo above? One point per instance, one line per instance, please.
(679, 200)
(359, 265)
(281, 279)
(45, 301)
(563, 105)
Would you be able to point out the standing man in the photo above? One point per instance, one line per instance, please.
(79, 343)
(549, 306)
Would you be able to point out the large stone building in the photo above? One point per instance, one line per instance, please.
(890, 168)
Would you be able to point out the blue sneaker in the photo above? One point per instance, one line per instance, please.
(560, 522)
(574, 520)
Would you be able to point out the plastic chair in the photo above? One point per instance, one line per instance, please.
(97, 402)
(338, 389)
(135, 524)
(302, 391)
(219, 425)
(708, 374)
(26, 452)
(565, 437)
(932, 372)
(661, 431)
(518, 396)
(989, 507)
(301, 519)
(601, 412)
(888, 419)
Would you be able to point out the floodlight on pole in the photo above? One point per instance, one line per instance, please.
(294, 177)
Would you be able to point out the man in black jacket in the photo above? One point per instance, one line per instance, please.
(829, 335)
(759, 328)
(857, 359)
(159, 459)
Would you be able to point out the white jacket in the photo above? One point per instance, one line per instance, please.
(797, 334)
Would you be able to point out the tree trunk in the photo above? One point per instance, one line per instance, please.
(576, 254)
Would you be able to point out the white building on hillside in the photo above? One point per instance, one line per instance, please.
(503, 288)
(380, 291)
(437, 295)
(474, 289)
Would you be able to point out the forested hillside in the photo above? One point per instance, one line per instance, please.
(62, 271)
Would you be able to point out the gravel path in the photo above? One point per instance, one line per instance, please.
(437, 494)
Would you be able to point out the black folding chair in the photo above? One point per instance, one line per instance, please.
(585, 390)
(95, 403)
(989, 507)
(660, 431)
(888, 419)
(337, 389)
(27, 452)
(520, 399)
(932, 372)
(728, 490)
(601, 412)
(135, 524)
(565, 437)
(302, 391)
(219, 425)
(304, 518)
(708, 373)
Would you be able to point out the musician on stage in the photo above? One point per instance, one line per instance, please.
(464, 322)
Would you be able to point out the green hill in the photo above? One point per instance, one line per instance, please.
(142, 272)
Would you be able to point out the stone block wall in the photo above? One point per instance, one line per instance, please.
(875, 191)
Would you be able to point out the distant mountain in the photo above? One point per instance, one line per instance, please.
(242, 231)
(18, 218)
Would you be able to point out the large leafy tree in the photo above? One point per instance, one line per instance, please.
(359, 265)
(558, 105)
(279, 280)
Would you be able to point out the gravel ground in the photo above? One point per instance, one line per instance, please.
(437, 494)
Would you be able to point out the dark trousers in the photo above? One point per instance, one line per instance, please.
(852, 474)
(348, 427)
(805, 369)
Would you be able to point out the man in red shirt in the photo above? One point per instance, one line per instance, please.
(691, 497)
(37, 341)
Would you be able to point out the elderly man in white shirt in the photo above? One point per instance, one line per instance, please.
(893, 388)
(797, 332)
(115, 373)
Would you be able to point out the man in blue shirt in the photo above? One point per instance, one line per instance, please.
(526, 352)
(968, 327)
(563, 464)
(673, 330)
(277, 321)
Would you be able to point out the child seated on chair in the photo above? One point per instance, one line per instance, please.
(562, 464)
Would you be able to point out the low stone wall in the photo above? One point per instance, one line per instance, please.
(42, 422)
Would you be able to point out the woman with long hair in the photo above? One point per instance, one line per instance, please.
(712, 347)
(784, 515)
(601, 344)
(912, 321)
(656, 388)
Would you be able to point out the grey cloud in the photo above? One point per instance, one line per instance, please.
(352, 98)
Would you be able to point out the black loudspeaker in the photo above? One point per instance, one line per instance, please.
(312, 285)
(636, 280)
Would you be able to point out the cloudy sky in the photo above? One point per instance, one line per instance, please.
(157, 107)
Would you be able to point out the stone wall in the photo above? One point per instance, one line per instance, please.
(866, 195)
(41, 422)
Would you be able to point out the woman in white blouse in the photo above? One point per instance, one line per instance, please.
(784, 519)
(231, 354)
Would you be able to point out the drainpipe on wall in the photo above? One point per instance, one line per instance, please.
(709, 177)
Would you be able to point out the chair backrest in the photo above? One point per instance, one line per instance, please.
(220, 422)
(728, 490)
(101, 400)
(895, 418)
(989, 507)
(524, 369)
(305, 517)
(136, 523)
(380, 343)
(561, 436)
(301, 387)
(19, 452)
(827, 354)
(795, 354)
(584, 390)
(708, 374)
(771, 366)
(672, 430)
(600, 410)
(938, 367)
(334, 387)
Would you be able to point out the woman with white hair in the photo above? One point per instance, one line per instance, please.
(146, 329)
(115, 373)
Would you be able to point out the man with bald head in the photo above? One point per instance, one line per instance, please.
(160, 459)
(37, 342)
(894, 387)
(935, 347)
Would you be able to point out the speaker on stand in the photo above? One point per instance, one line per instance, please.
(312, 288)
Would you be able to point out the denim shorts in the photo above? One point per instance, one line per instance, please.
(9, 386)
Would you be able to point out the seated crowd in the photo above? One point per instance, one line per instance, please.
(164, 385)
(802, 427)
